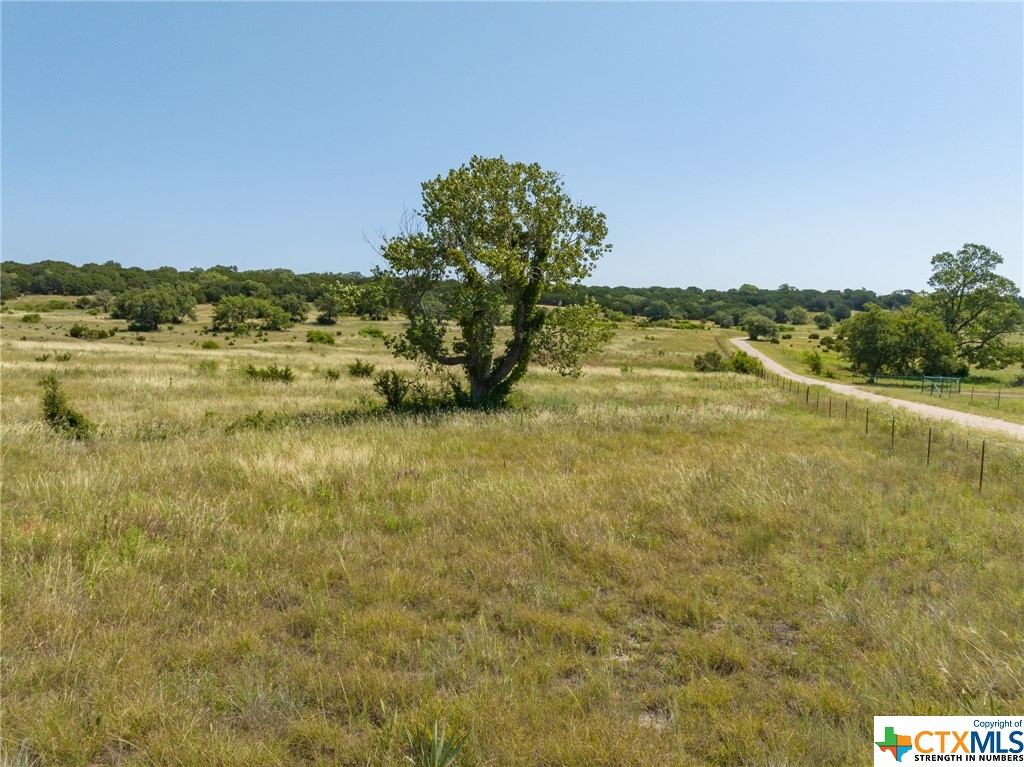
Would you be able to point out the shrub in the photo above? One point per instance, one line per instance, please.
(270, 373)
(813, 360)
(42, 358)
(709, 362)
(360, 369)
(209, 345)
(786, 336)
(371, 332)
(62, 356)
(741, 362)
(59, 414)
(774, 341)
(89, 334)
(758, 326)
(332, 374)
(824, 321)
(319, 337)
(828, 341)
(814, 336)
(206, 367)
(392, 387)
(31, 318)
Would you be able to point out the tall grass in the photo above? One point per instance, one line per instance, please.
(659, 568)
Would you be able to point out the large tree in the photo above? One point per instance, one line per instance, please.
(491, 237)
(978, 307)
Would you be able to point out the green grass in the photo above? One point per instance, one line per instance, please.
(985, 392)
(652, 567)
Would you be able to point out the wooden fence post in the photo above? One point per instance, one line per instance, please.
(981, 477)
(928, 460)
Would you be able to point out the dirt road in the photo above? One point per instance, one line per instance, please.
(970, 420)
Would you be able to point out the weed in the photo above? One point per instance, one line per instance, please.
(393, 387)
(42, 357)
(332, 374)
(62, 356)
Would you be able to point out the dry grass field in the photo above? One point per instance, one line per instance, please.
(647, 566)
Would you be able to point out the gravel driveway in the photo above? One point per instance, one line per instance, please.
(970, 420)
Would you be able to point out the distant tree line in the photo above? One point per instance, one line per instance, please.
(725, 307)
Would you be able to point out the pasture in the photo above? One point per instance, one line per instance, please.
(644, 566)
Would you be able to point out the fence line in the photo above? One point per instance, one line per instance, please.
(1013, 460)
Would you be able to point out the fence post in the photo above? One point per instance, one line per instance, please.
(892, 441)
(807, 396)
(972, 393)
(999, 397)
(830, 408)
(867, 412)
(817, 399)
(928, 460)
(981, 477)
(847, 416)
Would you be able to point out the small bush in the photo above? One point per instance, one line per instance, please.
(393, 387)
(709, 362)
(786, 336)
(828, 341)
(42, 358)
(774, 341)
(371, 332)
(59, 414)
(332, 374)
(813, 360)
(319, 337)
(824, 321)
(270, 373)
(31, 318)
(625, 369)
(360, 369)
(206, 368)
(209, 345)
(814, 336)
(89, 334)
(741, 362)
(62, 357)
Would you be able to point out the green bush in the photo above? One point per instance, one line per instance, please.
(332, 374)
(431, 748)
(393, 387)
(786, 336)
(371, 332)
(813, 360)
(710, 362)
(319, 337)
(207, 367)
(360, 369)
(89, 334)
(59, 414)
(741, 362)
(814, 336)
(31, 318)
(209, 345)
(824, 321)
(270, 373)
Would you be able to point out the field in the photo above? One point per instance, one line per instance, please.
(985, 392)
(647, 566)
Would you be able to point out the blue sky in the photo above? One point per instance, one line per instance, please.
(820, 145)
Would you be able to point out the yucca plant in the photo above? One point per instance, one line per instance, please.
(431, 746)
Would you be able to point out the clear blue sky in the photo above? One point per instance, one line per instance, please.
(820, 145)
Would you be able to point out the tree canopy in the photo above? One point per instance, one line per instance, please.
(978, 307)
(491, 238)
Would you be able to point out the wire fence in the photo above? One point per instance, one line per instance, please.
(979, 460)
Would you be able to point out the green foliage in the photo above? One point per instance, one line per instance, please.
(31, 318)
(319, 337)
(360, 369)
(332, 374)
(813, 360)
(710, 362)
(270, 373)
(237, 314)
(786, 336)
(758, 326)
(393, 387)
(207, 367)
(741, 362)
(346, 298)
(723, 319)
(977, 307)
(569, 334)
(814, 336)
(78, 330)
(209, 345)
(496, 236)
(295, 306)
(371, 332)
(147, 309)
(905, 342)
(824, 321)
(59, 414)
(431, 747)
(797, 315)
